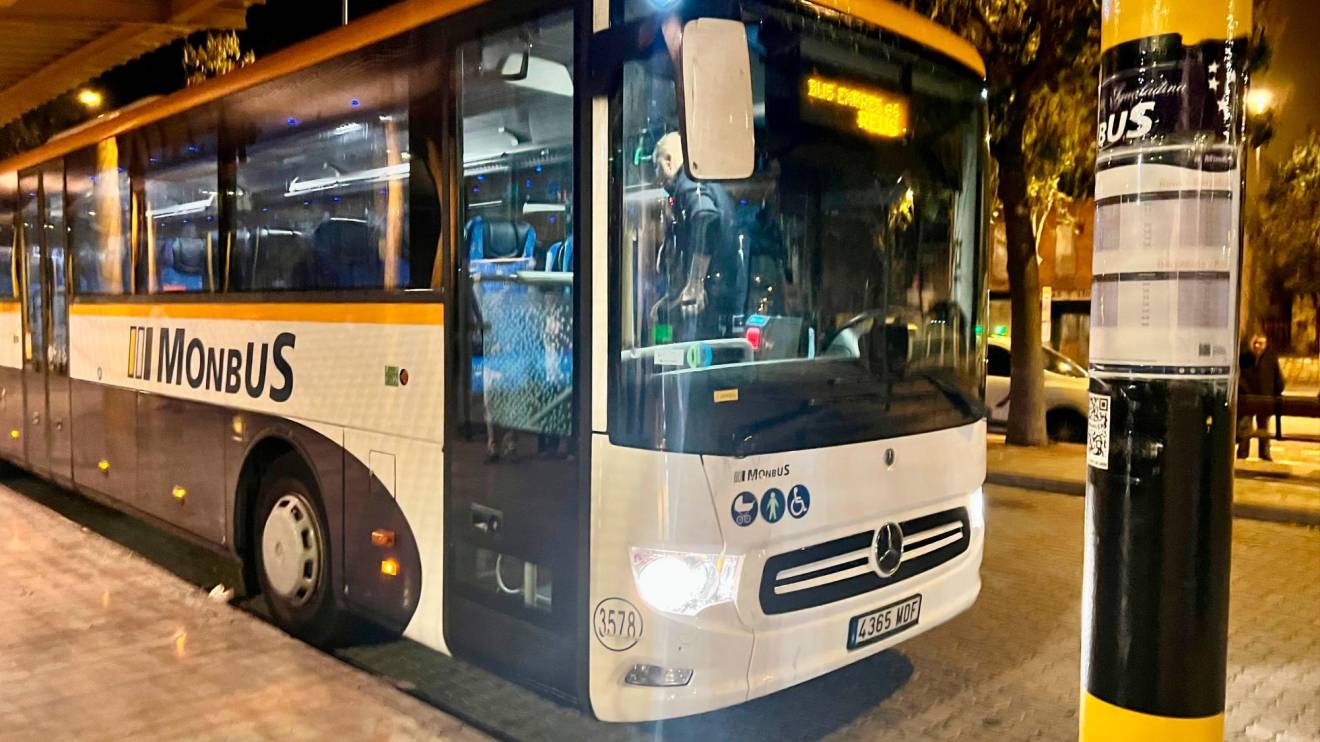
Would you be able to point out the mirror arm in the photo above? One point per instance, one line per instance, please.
(636, 39)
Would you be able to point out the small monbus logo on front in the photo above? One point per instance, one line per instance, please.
(757, 474)
(171, 357)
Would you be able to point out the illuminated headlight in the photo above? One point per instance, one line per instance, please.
(976, 509)
(684, 583)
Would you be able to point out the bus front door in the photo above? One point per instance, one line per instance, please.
(47, 423)
(512, 458)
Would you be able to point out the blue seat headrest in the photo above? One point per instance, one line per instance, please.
(346, 255)
(494, 239)
(187, 255)
(559, 257)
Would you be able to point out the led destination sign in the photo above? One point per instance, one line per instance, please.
(878, 113)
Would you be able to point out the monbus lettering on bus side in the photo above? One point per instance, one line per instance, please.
(180, 359)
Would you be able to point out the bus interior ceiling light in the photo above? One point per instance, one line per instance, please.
(185, 208)
(684, 583)
(389, 172)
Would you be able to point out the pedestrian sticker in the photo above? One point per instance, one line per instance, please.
(799, 501)
(772, 505)
(1097, 431)
(744, 509)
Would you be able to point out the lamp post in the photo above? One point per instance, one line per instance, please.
(1159, 490)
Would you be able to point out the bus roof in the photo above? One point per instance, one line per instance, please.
(399, 19)
(911, 25)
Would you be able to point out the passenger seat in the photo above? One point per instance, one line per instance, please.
(184, 265)
(346, 255)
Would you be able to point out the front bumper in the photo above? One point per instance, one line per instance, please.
(737, 652)
(797, 647)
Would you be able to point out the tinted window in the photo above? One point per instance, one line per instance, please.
(180, 240)
(835, 292)
(516, 105)
(998, 361)
(34, 341)
(99, 198)
(8, 234)
(326, 172)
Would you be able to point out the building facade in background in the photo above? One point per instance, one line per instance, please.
(1064, 252)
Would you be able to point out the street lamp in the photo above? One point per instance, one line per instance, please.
(1260, 101)
(90, 99)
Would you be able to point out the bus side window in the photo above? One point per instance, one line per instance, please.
(99, 219)
(516, 108)
(323, 175)
(6, 250)
(181, 249)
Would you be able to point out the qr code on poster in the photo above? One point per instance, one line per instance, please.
(1097, 432)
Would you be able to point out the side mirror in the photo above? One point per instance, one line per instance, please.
(716, 100)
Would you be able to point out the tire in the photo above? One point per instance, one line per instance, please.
(1066, 426)
(292, 552)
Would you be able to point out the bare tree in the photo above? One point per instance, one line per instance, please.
(1042, 59)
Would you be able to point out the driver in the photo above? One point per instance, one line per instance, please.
(698, 260)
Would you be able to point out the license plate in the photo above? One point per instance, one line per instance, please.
(882, 623)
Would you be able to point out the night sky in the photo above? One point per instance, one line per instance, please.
(1293, 26)
(1294, 75)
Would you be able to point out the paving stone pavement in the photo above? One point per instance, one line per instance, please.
(99, 643)
(1008, 668)
(96, 642)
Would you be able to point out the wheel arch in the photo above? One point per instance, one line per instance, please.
(261, 453)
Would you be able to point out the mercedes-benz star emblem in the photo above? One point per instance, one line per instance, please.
(888, 549)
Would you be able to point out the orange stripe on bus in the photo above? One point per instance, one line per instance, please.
(372, 314)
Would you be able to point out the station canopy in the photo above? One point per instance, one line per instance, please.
(48, 47)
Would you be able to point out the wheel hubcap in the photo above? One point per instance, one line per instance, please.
(291, 549)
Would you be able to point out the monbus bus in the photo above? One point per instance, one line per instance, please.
(627, 348)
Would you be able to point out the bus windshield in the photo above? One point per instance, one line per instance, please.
(833, 296)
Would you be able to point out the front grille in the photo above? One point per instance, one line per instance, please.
(845, 567)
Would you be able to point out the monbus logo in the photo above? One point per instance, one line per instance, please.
(752, 475)
(179, 359)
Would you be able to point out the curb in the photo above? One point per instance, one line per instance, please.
(1248, 510)
(1043, 484)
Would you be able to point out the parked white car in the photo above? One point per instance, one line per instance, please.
(1066, 386)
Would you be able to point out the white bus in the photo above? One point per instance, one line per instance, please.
(629, 349)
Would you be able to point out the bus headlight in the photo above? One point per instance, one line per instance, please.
(682, 582)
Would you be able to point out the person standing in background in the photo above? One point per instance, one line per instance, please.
(1260, 375)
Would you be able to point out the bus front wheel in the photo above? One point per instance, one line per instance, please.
(292, 550)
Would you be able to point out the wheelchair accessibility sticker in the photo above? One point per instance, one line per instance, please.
(744, 509)
(799, 501)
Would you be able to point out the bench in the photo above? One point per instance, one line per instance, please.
(1290, 406)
